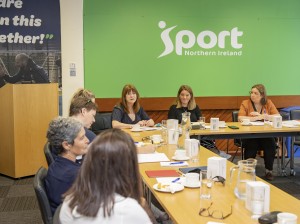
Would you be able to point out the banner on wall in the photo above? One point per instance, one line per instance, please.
(30, 41)
(204, 43)
(219, 48)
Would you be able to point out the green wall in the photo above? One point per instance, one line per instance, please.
(122, 44)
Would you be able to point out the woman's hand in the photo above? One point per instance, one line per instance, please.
(148, 123)
(142, 123)
(254, 114)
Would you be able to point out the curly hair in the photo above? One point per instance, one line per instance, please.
(62, 129)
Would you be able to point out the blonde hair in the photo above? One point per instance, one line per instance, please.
(82, 98)
(192, 102)
(84, 93)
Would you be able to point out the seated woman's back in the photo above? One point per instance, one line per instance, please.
(108, 187)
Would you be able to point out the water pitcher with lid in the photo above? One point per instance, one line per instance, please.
(185, 127)
(246, 172)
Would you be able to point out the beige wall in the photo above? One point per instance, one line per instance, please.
(71, 13)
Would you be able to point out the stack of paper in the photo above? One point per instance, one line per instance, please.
(152, 158)
(291, 124)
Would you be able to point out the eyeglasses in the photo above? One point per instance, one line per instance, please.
(216, 214)
(219, 179)
(147, 139)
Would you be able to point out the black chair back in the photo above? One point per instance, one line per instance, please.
(102, 122)
(295, 115)
(40, 191)
(48, 154)
(237, 142)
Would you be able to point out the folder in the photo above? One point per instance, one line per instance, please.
(162, 173)
(188, 169)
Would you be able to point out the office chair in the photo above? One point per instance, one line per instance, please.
(237, 142)
(295, 115)
(48, 154)
(40, 192)
(102, 122)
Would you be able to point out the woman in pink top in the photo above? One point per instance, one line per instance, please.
(259, 108)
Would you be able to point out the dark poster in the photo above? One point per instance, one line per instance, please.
(30, 44)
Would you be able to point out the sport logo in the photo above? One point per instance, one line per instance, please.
(191, 39)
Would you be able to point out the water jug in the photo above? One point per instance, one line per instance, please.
(185, 128)
(246, 172)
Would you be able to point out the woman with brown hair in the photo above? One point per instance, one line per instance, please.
(259, 108)
(83, 108)
(108, 186)
(185, 102)
(129, 111)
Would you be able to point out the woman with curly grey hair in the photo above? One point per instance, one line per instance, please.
(67, 136)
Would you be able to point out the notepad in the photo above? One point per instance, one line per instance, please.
(162, 173)
(152, 158)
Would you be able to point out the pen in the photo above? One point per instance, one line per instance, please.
(177, 179)
(174, 163)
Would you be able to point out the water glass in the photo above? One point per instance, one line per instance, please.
(164, 124)
(206, 183)
(202, 123)
(164, 132)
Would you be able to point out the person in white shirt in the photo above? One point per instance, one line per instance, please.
(108, 187)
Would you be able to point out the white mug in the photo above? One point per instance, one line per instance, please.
(286, 218)
(246, 121)
(192, 179)
(156, 139)
(136, 127)
(222, 123)
(180, 154)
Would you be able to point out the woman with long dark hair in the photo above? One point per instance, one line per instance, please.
(108, 187)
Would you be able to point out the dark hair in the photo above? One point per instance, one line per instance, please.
(110, 167)
(192, 102)
(127, 89)
(62, 129)
(262, 90)
(77, 104)
(23, 57)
